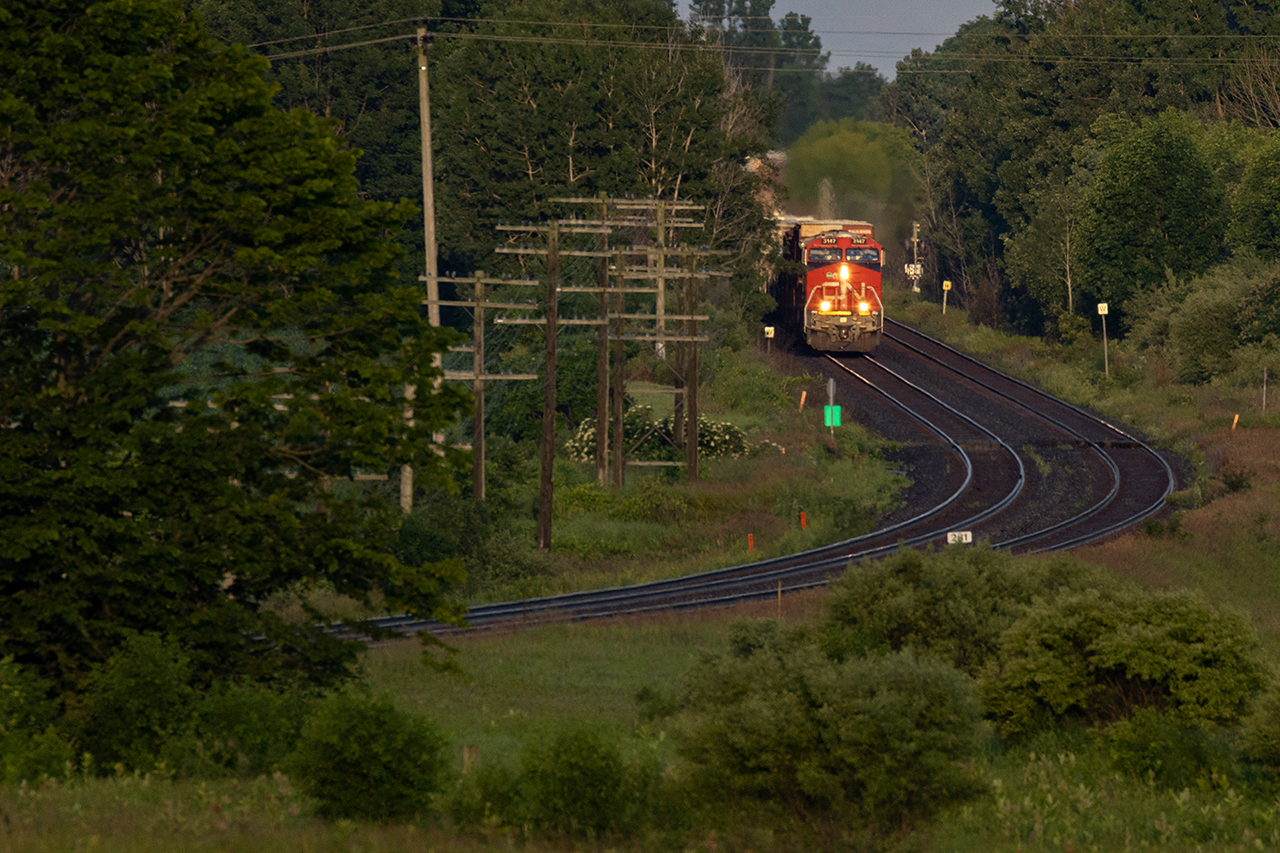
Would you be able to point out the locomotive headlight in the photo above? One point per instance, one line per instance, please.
(864, 307)
(824, 306)
(844, 272)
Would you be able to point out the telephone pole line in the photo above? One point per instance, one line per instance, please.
(421, 41)
(479, 304)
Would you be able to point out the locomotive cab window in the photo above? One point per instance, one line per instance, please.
(824, 256)
(866, 257)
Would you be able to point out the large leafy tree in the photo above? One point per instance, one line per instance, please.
(872, 169)
(202, 344)
(543, 104)
(1154, 206)
(1012, 98)
(786, 60)
(371, 93)
(1255, 213)
(560, 98)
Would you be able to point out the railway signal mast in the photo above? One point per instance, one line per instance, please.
(914, 270)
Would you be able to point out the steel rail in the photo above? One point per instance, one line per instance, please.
(1022, 471)
(1057, 527)
(655, 595)
(1085, 538)
(814, 567)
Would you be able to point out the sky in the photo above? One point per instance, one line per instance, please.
(880, 32)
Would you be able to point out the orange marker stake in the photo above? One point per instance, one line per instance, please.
(1236, 421)
(751, 542)
(802, 524)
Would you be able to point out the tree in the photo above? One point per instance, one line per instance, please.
(1154, 205)
(1040, 256)
(1255, 210)
(589, 108)
(370, 93)
(202, 342)
(784, 59)
(1022, 90)
(868, 741)
(871, 167)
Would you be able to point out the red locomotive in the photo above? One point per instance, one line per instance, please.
(837, 303)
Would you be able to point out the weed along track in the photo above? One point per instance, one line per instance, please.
(995, 457)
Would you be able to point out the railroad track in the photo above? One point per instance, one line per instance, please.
(979, 440)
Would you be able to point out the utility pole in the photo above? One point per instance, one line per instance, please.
(619, 365)
(616, 326)
(477, 376)
(428, 182)
(915, 257)
(551, 322)
(477, 392)
(429, 247)
(545, 485)
(602, 353)
(660, 346)
(1106, 361)
(690, 370)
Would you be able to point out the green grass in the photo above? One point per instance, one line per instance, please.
(660, 527)
(518, 687)
(1140, 391)
(141, 813)
(1055, 793)
(1055, 797)
(1060, 792)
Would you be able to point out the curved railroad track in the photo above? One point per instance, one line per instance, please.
(997, 457)
(1137, 481)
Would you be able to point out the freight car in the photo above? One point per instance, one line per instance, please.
(835, 302)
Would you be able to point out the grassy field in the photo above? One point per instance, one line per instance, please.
(1059, 792)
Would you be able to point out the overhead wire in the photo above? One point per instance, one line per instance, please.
(673, 29)
(785, 52)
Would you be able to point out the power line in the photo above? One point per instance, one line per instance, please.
(681, 28)
(784, 52)
(328, 33)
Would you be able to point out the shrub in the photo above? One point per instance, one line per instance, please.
(137, 701)
(507, 558)
(1260, 743)
(492, 795)
(1098, 658)
(41, 755)
(1203, 334)
(29, 746)
(441, 527)
(877, 740)
(653, 502)
(576, 783)
(746, 385)
(1258, 313)
(1153, 746)
(953, 604)
(656, 439)
(361, 757)
(247, 729)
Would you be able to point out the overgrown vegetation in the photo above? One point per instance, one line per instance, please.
(770, 737)
(204, 342)
(764, 463)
